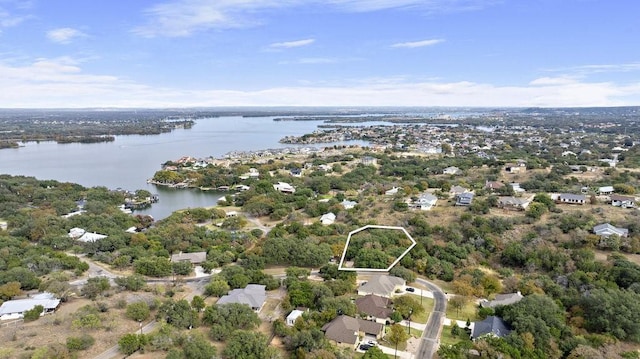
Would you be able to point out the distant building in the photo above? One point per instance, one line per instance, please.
(348, 204)
(606, 190)
(392, 192)
(369, 161)
(464, 199)
(451, 171)
(518, 167)
(623, 201)
(493, 185)
(514, 203)
(193, 258)
(425, 202)
(606, 230)
(284, 187)
(570, 198)
(328, 218)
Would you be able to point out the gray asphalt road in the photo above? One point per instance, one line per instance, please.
(431, 334)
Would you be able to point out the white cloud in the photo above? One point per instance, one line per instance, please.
(180, 18)
(64, 35)
(600, 68)
(62, 82)
(8, 19)
(291, 44)
(421, 43)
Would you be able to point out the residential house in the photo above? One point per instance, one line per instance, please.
(15, 309)
(193, 258)
(369, 161)
(346, 331)
(392, 192)
(570, 198)
(606, 230)
(425, 202)
(253, 295)
(502, 299)
(91, 237)
(253, 173)
(516, 187)
(513, 203)
(328, 218)
(606, 190)
(382, 285)
(296, 172)
(293, 316)
(457, 190)
(492, 325)
(493, 185)
(375, 307)
(623, 201)
(284, 187)
(76, 232)
(452, 170)
(348, 204)
(464, 199)
(513, 168)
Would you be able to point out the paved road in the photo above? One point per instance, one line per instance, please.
(431, 335)
(115, 352)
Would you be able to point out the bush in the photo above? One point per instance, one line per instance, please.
(83, 342)
(138, 311)
(33, 313)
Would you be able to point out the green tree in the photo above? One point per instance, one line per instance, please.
(133, 282)
(198, 303)
(138, 311)
(246, 344)
(131, 343)
(83, 342)
(95, 286)
(217, 287)
(374, 353)
(536, 210)
(397, 335)
(197, 347)
(407, 304)
(9, 290)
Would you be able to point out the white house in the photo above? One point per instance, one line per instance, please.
(293, 316)
(606, 230)
(392, 192)
(605, 190)
(623, 201)
(452, 170)
(91, 237)
(348, 204)
(14, 309)
(284, 187)
(328, 218)
(426, 201)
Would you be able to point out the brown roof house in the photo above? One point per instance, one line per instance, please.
(382, 285)
(345, 330)
(194, 258)
(375, 307)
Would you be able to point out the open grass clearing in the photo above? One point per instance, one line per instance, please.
(469, 311)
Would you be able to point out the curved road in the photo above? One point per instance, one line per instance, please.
(431, 334)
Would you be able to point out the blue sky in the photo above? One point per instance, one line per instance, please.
(183, 53)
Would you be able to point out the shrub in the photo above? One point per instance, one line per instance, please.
(83, 342)
(33, 313)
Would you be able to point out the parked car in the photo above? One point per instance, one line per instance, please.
(365, 347)
(411, 289)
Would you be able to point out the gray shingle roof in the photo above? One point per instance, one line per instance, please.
(253, 295)
(492, 325)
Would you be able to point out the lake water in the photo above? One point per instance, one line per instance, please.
(129, 161)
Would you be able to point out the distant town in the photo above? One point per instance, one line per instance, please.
(444, 233)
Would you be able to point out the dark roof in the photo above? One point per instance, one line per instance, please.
(492, 325)
(374, 305)
(345, 329)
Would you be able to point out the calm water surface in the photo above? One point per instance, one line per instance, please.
(129, 161)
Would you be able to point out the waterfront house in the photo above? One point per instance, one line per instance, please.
(606, 230)
(253, 295)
